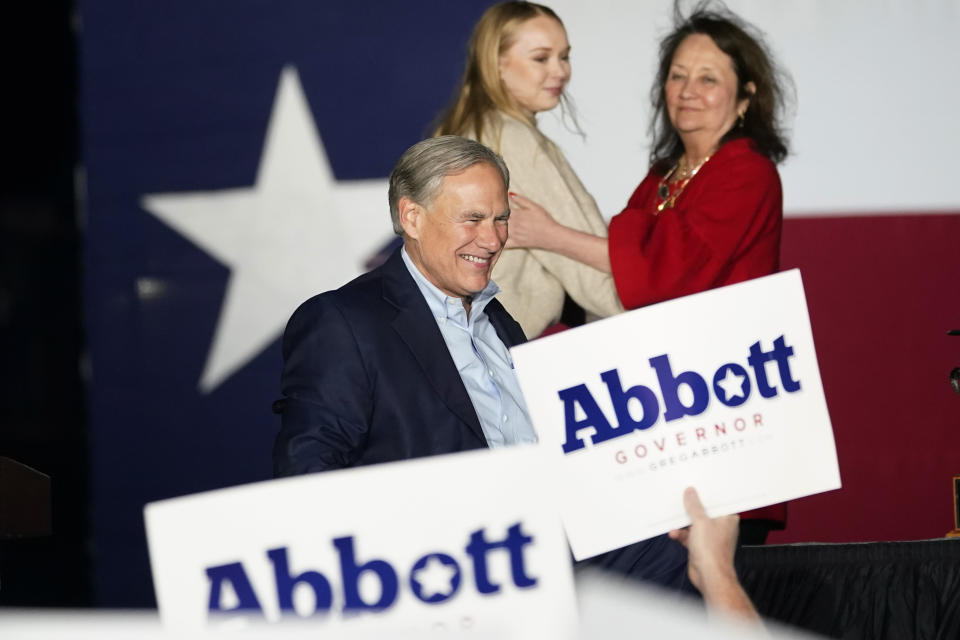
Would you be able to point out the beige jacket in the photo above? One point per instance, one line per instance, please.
(532, 281)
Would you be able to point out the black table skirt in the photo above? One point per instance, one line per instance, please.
(877, 590)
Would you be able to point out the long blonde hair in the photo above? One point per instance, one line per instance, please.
(481, 90)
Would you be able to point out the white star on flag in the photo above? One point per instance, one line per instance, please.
(732, 385)
(295, 233)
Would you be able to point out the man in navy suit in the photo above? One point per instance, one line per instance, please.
(411, 359)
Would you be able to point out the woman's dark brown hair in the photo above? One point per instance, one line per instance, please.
(752, 62)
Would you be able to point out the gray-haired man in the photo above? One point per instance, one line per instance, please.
(411, 359)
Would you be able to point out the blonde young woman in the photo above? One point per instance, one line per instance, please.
(518, 65)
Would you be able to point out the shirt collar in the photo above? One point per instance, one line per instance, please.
(442, 305)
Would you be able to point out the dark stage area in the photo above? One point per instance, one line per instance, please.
(42, 416)
(879, 590)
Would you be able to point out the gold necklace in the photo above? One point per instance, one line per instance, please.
(684, 176)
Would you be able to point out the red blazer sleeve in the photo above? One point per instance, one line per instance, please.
(724, 228)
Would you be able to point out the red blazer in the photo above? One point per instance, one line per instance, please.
(724, 228)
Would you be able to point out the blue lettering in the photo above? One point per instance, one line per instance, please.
(234, 576)
(758, 359)
(782, 351)
(514, 542)
(669, 384)
(322, 594)
(594, 417)
(350, 572)
(237, 577)
(421, 564)
(731, 385)
(731, 400)
(621, 405)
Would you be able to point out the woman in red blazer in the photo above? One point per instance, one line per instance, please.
(710, 210)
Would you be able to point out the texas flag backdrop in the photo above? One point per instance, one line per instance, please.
(234, 163)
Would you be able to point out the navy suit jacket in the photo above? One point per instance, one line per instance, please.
(367, 378)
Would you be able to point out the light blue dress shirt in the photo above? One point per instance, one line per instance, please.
(482, 359)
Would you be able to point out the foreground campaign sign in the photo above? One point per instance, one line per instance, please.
(470, 541)
(718, 390)
(609, 607)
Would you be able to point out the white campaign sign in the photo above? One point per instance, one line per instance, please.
(718, 390)
(470, 542)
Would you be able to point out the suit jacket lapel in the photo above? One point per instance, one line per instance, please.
(508, 330)
(418, 329)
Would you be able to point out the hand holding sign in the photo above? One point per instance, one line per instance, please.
(712, 543)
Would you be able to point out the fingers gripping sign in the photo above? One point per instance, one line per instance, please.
(711, 543)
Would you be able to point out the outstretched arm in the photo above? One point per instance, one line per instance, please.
(532, 227)
(540, 172)
(711, 543)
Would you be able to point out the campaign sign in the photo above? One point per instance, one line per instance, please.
(718, 390)
(464, 542)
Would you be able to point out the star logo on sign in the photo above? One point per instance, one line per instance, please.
(732, 385)
(435, 578)
(295, 233)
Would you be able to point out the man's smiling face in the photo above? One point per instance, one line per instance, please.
(456, 239)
